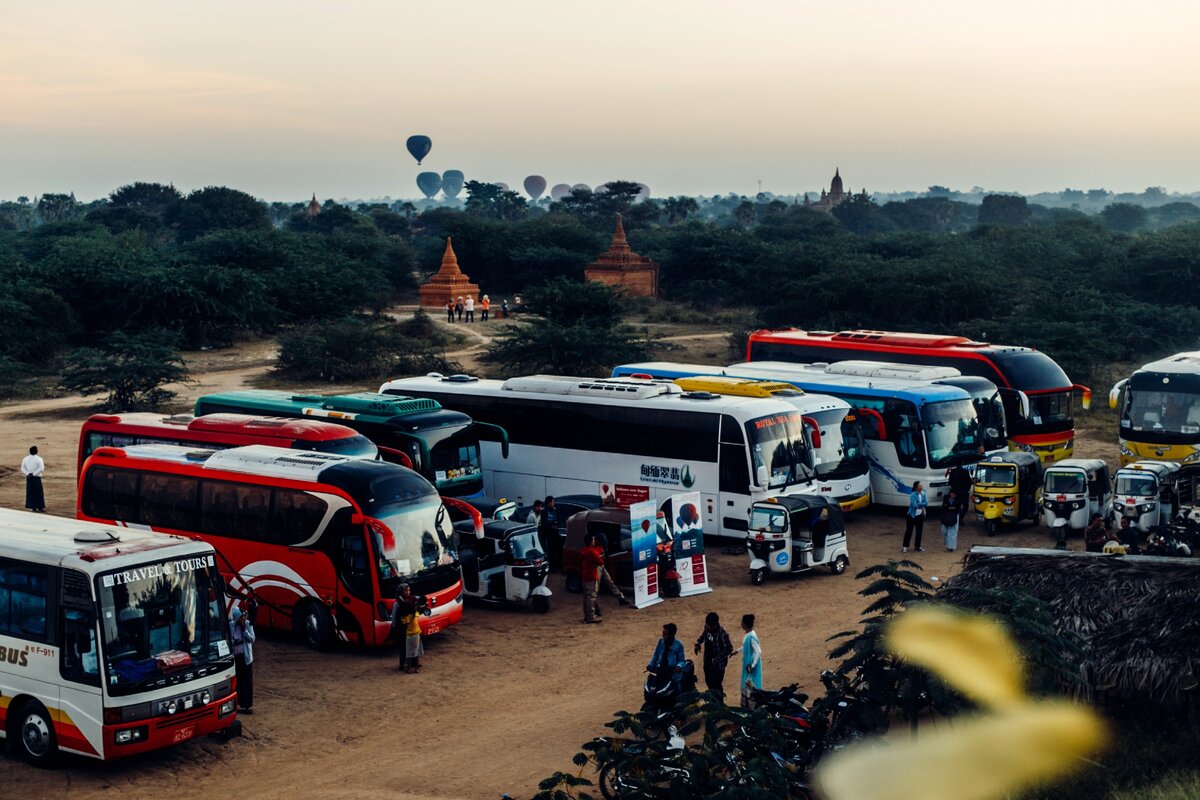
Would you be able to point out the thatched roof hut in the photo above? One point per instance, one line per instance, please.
(1138, 615)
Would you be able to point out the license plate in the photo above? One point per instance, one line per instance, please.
(183, 734)
(433, 628)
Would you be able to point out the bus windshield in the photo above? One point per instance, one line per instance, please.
(1164, 412)
(1136, 484)
(952, 432)
(421, 530)
(988, 474)
(1046, 409)
(453, 454)
(357, 446)
(160, 617)
(841, 453)
(777, 443)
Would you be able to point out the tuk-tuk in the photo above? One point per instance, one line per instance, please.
(611, 526)
(1145, 494)
(1008, 489)
(1073, 490)
(794, 534)
(502, 562)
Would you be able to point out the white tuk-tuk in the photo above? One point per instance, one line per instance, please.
(1145, 494)
(1073, 489)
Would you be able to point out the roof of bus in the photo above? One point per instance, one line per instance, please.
(367, 406)
(810, 377)
(1187, 363)
(648, 393)
(246, 424)
(355, 475)
(742, 387)
(886, 339)
(79, 544)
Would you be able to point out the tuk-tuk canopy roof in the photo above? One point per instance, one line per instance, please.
(1163, 470)
(1085, 464)
(814, 504)
(1020, 458)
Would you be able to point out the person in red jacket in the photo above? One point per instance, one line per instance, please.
(592, 562)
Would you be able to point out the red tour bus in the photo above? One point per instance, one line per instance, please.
(219, 431)
(1037, 394)
(321, 540)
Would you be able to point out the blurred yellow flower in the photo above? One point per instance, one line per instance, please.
(1021, 742)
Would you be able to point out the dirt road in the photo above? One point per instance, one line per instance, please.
(505, 698)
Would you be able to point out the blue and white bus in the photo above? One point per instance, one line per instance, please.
(916, 430)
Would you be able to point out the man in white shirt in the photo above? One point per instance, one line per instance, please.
(470, 309)
(32, 468)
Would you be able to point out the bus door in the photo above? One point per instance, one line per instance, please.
(732, 507)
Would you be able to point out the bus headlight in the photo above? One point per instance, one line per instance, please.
(131, 735)
(226, 708)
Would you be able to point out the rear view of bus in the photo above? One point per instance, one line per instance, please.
(117, 641)
(1038, 396)
(322, 541)
(440, 444)
(1160, 415)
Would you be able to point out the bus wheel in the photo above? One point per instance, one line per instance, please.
(38, 743)
(541, 603)
(314, 625)
(670, 587)
(839, 565)
(574, 584)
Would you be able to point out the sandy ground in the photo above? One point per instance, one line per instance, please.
(505, 699)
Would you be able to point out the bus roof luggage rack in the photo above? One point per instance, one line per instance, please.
(902, 339)
(597, 387)
(880, 369)
(370, 403)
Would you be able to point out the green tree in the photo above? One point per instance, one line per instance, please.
(361, 347)
(53, 208)
(490, 200)
(216, 208)
(861, 216)
(1004, 209)
(678, 209)
(131, 368)
(1125, 217)
(153, 198)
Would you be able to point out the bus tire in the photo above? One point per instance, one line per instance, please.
(35, 736)
(541, 603)
(574, 584)
(839, 565)
(315, 625)
(670, 587)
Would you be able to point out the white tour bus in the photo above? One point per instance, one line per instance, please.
(642, 437)
(114, 641)
(915, 430)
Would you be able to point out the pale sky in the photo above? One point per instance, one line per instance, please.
(283, 99)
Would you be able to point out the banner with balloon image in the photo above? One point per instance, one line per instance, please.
(645, 554)
(683, 510)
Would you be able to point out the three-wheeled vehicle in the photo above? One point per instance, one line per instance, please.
(794, 534)
(1145, 494)
(611, 526)
(502, 563)
(1008, 489)
(1074, 489)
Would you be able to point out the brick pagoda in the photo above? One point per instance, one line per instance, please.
(623, 269)
(449, 283)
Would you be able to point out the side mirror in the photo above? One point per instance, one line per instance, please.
(761, 476)
(1115, 394)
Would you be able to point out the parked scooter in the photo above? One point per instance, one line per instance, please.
(1158, 544)
(660, 695)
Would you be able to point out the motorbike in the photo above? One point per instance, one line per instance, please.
(1008, 489)
(1158, 544)
(660, 695)
(502, 563)
(795, 534)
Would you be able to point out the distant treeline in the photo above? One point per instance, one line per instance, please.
(216, 264)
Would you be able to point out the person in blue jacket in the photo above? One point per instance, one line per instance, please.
(918, 504)
(668, 658)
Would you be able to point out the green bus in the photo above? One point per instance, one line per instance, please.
(440, 444)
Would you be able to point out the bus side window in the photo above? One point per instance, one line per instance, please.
(79, 657)
(905, 432)
(111, 494)
(354, 559)
(169, 501)
(296, 517)
(23, 590)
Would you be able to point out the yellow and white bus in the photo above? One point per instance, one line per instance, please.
(114, 641)
(1160, 412)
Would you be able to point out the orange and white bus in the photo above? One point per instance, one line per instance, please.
(322, 541)
(219, 431)
(114, 641)
(1037, 394)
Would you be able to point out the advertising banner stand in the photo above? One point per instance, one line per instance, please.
(683, 511)
(645, 554)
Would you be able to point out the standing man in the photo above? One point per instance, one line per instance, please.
(915, 518)
(717, 650)
(450, 310)
(504, 308)
(484, 305)
(951, 510)
(32, 468)
(243, 656)
(960, 482)
(469, 307)
(458, 308)
(591, 562)
(404, 621)
(548, 530)
(535, 517)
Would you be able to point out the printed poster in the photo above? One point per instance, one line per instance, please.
(645, 554)
(688, 525)
(623, 495)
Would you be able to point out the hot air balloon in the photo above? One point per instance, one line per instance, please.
(452, 183)
(534, 186)
(581, 187)
(559, 191)
(501, 185)
(602, 189)
(429, 183)
(419, 146)
(643, 191)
